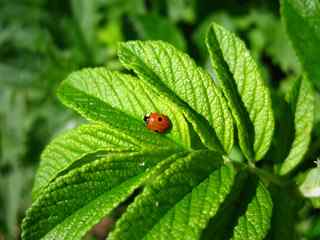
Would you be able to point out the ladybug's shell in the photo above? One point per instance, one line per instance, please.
(158, 122)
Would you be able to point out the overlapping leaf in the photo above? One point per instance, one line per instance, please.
(247, 95)
(176, 78)
(302, 106)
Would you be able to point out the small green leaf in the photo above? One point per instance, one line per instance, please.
(245, 90)
(120, 101)
(180, 202)
(310, 187)
(165, 30)
(177, 79)
(301, 101)
(79, 199)
(302, 19)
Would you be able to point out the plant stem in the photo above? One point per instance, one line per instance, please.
(270, 177)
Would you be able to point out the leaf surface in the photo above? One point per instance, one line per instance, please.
(79, 199)
(301, 102)
(180, 202)
(246, 212)
(118, 102)
(87, 142)
(242, 84)
(255, 223)
(176, 78)
(121, 102)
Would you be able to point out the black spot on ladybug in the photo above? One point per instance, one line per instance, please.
(160, 119)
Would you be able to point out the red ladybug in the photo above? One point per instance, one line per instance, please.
(157, 122)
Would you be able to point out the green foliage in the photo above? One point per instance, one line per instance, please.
(301, 19)
(91, 192)
(184, 185)
(216, 174)
(191, 182)
(128, 102)
(247, 95)
(301, 101)
(255, 223)
(185, 85)
(285, 212)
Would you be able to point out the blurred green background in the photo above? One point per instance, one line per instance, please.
(42, 41)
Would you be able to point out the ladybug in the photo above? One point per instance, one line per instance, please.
(157, 122)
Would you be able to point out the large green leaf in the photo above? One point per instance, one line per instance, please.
(177, 79)
(302, 19)
(180, 202)
(301, 102)
(120, 101)
(245, 90)
(79, 199)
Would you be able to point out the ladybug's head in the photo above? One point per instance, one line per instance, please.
(146, 118)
